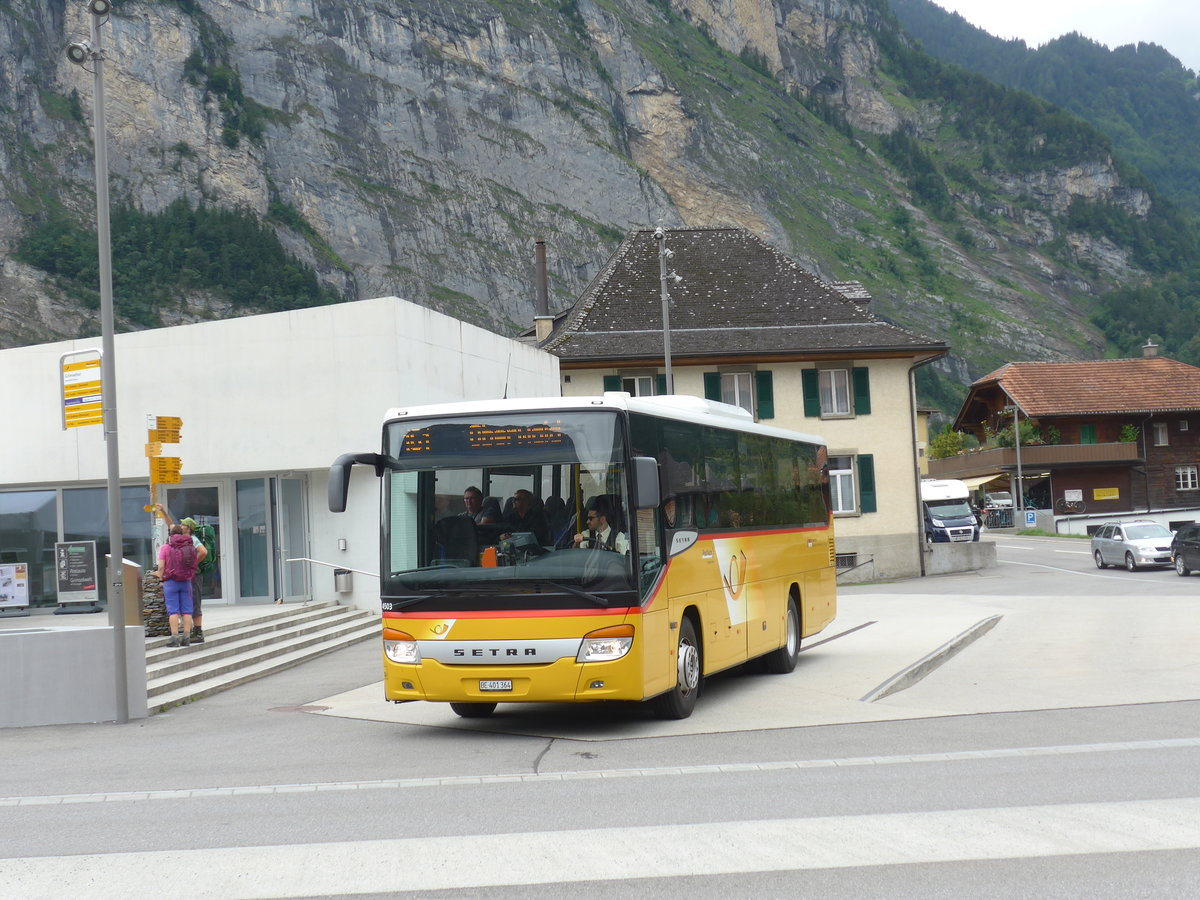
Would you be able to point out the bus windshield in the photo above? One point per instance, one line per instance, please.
(483, 512)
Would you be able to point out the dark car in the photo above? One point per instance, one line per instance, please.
(1185, 549)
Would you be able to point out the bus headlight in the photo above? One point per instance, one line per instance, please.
(400, 647)
(605, 644)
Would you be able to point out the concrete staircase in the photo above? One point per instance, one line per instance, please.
(237, 652)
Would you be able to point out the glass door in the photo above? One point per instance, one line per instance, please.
(291, 539)
(204, 505)
(253, 527)
(272, 528)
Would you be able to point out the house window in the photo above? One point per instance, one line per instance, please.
(1185, 478)
(737, 389)
(1160, 434)
(841, 484)
(852, 483)
(835, 392)
(638, 385)
(1183, 424)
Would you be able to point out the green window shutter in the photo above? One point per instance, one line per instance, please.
(660, 383)
(712, 386)
(810, 381)
(1087, 434)
(764, 395)
(866, 482)
(612, 382)
(862, 390)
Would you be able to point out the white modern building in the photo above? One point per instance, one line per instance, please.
(267, 403)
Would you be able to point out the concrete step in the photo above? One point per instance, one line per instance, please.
(234, 639)
(234, 654)
(266, 618)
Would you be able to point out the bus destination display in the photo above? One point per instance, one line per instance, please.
(460, 438)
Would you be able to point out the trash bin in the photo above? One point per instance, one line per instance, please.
(131, 588)
(343, 581)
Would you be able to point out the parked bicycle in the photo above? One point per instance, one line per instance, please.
(1069, 507)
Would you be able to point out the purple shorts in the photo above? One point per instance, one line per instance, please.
(178, 597)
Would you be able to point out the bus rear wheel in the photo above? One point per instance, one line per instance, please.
(783, 660)
(679, 702)
(474, 710)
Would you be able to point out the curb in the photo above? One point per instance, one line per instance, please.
(906, 678)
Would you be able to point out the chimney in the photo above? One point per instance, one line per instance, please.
(853, 291)
(1150, 349)
(543, 322)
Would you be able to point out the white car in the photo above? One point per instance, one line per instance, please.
(1132, 545)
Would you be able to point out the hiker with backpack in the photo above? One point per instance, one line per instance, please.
(176, 569)
(205, 541)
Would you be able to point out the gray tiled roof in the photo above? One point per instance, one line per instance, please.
(738, 296)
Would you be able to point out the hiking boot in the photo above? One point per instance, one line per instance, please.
(174, 641)
(197, 635)
(183, 641)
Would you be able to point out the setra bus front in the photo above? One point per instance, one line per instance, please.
(526, 599)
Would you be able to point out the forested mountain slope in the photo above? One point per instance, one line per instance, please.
(263, 158)
(1138, 94)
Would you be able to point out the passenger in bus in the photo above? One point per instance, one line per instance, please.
(527, 515)
(600, 534)
(473, 501)
(490, 513)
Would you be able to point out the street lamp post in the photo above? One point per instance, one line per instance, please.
(1019, 498)
(664, 255)
(82, 53)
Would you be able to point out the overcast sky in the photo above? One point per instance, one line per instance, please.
(1172, 24)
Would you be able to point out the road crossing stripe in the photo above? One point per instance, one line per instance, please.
(612, 854)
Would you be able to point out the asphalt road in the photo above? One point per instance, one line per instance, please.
(1057, 755)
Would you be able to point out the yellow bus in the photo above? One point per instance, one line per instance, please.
(597, 548)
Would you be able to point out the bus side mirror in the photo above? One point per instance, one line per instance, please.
(339, 476)
(645, 474)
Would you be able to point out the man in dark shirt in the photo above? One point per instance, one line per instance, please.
(524, 517)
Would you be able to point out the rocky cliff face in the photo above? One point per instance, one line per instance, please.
(428, 144)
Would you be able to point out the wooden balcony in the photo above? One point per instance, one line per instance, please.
(1049, 456)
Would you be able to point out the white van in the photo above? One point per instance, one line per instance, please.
(998, 500)
(947, 511)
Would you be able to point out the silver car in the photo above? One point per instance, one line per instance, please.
(1132, 545)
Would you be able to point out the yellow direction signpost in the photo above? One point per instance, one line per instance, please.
(81, 394)
(163, 469)
(166, 429)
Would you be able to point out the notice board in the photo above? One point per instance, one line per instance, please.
(75, 566)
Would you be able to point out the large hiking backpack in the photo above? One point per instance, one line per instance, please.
(208, 537)
(180, 561)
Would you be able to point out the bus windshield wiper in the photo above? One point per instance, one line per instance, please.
(406, 602)
(578, 592)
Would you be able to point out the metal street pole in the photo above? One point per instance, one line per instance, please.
(661, 237)
(94, 53)
(1020, 488)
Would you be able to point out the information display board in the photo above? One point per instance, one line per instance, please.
(75, 568)
(14, 586)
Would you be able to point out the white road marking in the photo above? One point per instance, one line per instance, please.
(598, 774)
(1096, 574)
(449, 862)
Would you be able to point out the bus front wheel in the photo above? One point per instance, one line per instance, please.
(474, 710)
(679, 702)
(783, 660)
